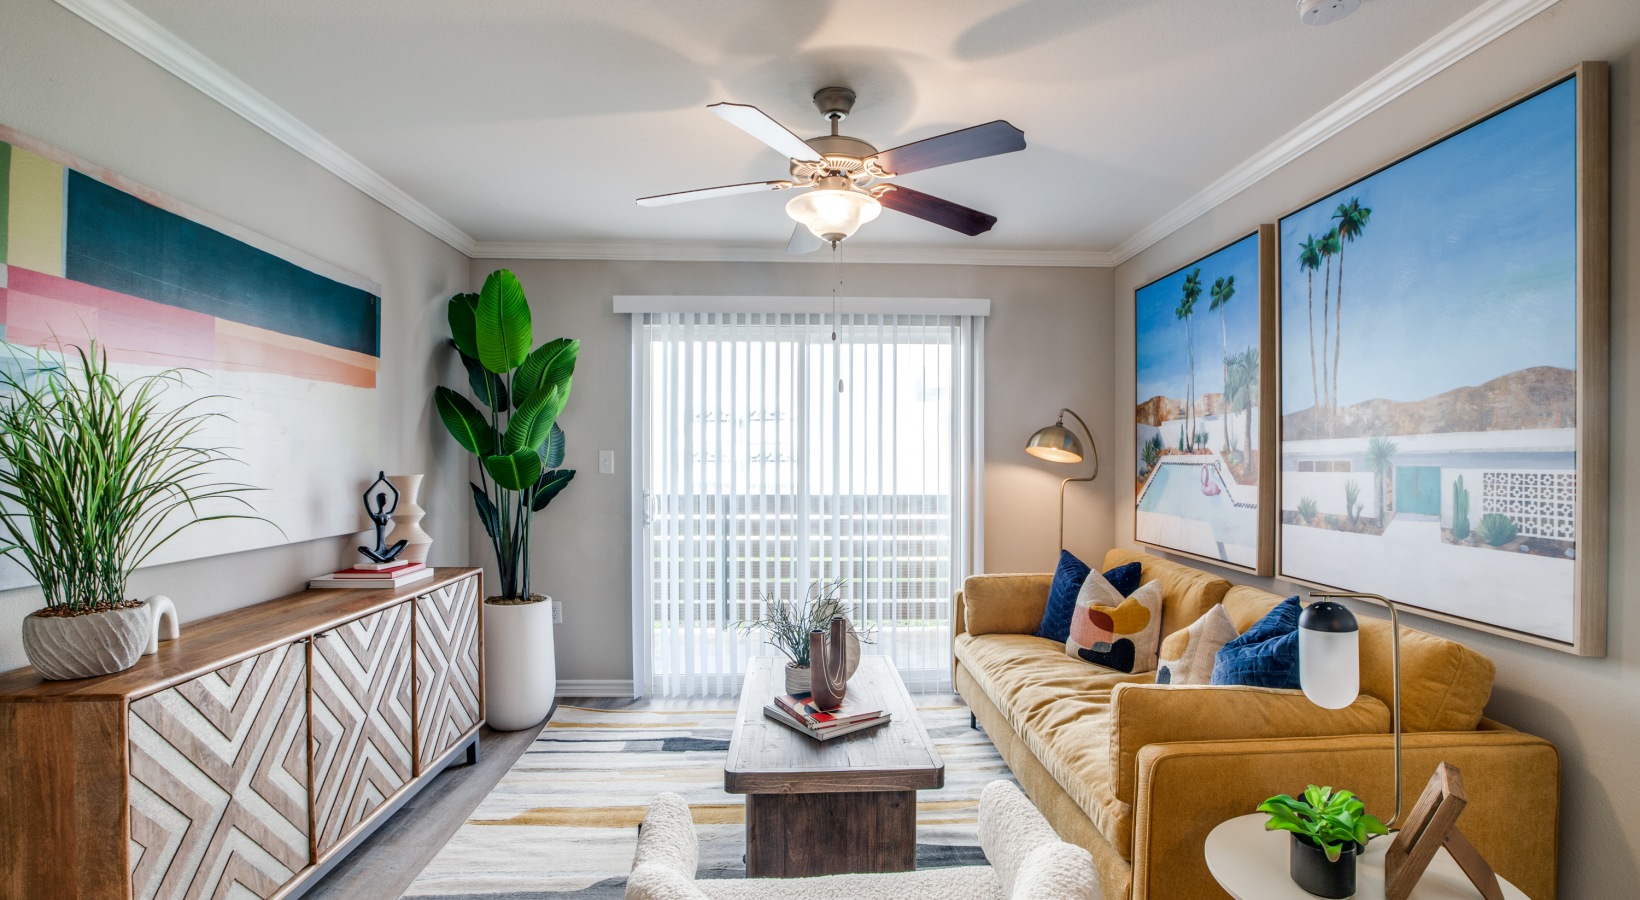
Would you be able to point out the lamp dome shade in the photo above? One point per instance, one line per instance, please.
(832, 214)
(1055, 443)
(1329, 654)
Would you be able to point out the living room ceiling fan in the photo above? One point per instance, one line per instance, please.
(846, 182)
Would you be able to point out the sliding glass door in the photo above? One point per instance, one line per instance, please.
(780, 452)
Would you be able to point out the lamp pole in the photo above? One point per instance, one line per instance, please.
(1395, 666)
(1093, 449)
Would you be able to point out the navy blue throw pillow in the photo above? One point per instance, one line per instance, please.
(1265, 655)
(1067, 583)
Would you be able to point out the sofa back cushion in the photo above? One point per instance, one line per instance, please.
(1444, 685)
(1187, 594)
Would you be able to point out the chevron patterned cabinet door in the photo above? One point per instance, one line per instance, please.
(447, 674)
(219, 781)
(362, 747)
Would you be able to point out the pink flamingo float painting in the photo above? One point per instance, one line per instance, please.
(1208, 487)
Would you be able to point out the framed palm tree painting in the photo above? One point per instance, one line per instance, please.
(1204, 376)
(1443, 357)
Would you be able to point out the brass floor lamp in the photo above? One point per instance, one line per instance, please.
(1056, 443)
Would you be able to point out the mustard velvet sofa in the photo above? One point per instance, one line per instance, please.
(1139, 773)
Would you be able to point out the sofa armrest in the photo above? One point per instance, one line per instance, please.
(1145, 714)
(663, 868)
(1186, 789)
(1004, 604)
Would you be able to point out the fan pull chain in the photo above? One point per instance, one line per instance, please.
(836, 282)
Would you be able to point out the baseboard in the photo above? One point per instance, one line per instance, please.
(595, 687)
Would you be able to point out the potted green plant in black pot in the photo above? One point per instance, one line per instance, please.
(96, 473)
(513, 430)
(1329, 830)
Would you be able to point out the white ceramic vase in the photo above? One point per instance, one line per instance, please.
(100, 643)
(407, 519)
(520, 668)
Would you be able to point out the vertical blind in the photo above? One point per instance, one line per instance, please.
(783, 450)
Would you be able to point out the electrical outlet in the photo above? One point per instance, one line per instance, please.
(557, 612)
(606, 462)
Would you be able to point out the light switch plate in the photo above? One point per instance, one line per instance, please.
(557, 612)
(606, 462)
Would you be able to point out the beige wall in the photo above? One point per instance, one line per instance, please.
(1586, 706)
(68, 84)
(1047, 345)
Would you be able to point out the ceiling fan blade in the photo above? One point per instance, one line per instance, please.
(803, 241)
(931, 208)
(757, 123)
(708, 193)
(990, 139)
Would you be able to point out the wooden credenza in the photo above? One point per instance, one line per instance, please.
(246, 757)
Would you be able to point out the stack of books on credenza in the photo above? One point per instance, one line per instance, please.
(798, 712)
(375, 575)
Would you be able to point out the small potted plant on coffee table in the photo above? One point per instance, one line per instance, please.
(786, 626)
(1329, 829)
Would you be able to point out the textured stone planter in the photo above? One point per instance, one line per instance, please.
(520, 672)
(101, 643)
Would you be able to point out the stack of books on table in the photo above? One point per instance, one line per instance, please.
(798, 712)
(375, 575)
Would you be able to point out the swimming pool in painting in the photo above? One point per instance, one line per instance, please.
(1175, 490)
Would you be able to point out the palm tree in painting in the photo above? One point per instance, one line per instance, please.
(1241, 391)
(1186, 309)
(1328, 248)
(1221, 292)
(1380, 454)
(1309, 259)
(1352, 220)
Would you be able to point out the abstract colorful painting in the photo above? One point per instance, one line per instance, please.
(1431, 344)
(1199, 485)
(287, 349)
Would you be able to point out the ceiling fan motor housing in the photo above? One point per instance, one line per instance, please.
(1325, 12)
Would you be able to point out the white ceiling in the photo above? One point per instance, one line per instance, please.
(533, 122)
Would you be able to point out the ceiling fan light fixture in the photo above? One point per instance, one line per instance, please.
(834, 210)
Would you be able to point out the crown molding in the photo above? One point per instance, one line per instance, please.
(130, 27)
(774, 252)
(1485, 24)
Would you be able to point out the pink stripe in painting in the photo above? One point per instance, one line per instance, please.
(44, 311)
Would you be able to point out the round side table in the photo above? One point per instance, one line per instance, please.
(1252, 864)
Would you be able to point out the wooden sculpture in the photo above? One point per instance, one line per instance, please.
(828, 664)
(1433, 824)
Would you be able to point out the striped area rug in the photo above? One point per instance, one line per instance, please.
(563, 821)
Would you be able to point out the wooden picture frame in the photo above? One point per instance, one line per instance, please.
(1222, 511)
(1548, 585)
(1431, 825)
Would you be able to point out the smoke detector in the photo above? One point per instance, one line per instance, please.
(1325, 12)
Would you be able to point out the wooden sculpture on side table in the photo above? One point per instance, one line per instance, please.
(828, 664)
(1432, 824)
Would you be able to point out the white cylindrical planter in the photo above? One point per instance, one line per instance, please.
(520, 667)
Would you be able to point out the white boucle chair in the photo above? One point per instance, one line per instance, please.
(1028, 862)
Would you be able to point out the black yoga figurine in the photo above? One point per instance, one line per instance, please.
(382, 515)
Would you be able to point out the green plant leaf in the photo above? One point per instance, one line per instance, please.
(514, 471)
(487, 512)
(487, 386)
(552, 452)
(549, 486)
(465, 423)
(502, 322)
(549, 364)
(531, 423)
(463, 330)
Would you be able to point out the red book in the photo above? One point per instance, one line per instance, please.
(802, 706)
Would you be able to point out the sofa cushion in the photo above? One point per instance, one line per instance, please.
(1265, 655)
(1444, 685)
(1003, 604)
(1068, 580)
(1187, 594)
(1187, 655)
(1060, 708)
(1121, 633)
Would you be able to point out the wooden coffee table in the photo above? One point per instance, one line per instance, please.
(844, 805)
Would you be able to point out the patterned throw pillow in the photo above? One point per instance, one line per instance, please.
(1266, 655)
(1113, 632)
(1067, 584)
(1188, 654)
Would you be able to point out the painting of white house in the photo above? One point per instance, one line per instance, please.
(1428, 320)
(1196, 335)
